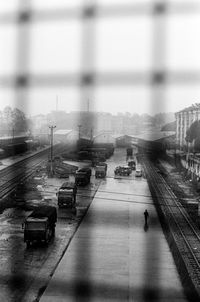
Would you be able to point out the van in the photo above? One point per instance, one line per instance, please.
(138, 172)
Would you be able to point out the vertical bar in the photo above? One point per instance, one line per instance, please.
(158, 55)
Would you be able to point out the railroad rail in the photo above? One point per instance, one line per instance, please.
(21, 171)
(183, 229)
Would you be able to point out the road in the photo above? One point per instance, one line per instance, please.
(26, 272)
(114, 255)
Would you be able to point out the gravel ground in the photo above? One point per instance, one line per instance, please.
(25, 272)
(183, 188)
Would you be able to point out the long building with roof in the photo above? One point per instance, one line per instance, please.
(184, 119)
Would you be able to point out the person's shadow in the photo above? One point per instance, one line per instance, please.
(146, 227)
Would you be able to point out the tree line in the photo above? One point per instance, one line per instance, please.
(13, 122)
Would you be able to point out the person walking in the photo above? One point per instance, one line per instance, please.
(146, 216)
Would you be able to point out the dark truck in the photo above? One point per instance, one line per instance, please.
(82, 176)
(132, 164)
(123, 170)
(100, 170)
(39, 226)
(129, 152)
(67, 195)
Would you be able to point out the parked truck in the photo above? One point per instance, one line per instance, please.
(100, 170)
(132, 164)
(129, 152)
(67, 195)
(82, 176)
(39, 226)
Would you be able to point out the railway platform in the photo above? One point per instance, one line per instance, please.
(114, 255)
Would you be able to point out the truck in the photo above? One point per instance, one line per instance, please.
(129, 152)
(109, 147)
(132, 164)
(100, 170)
(123, 170)
(40, 225)
(67, 195)
(82, 176)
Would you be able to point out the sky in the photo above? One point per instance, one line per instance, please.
(121, 44)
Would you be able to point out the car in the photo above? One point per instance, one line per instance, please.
(132, 164)
(123, 170)
(138, 172)
(117, 170)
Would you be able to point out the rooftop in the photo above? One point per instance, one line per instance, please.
(195, 106)
(155, 135)
(62, 132)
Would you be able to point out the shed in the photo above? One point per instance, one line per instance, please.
(103, 138)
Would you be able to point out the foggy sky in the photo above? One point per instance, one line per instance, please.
(121, 44)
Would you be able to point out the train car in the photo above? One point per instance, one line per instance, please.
(97, 153)
(13, 149)
(2, 153)
(32, 144)
(152, 149)
(7, 140)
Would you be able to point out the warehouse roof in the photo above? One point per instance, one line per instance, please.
(63, 131)
(155, 135)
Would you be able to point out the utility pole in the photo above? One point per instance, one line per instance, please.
(51, 150)
(79, 131)
(13, 135)
(91, 134)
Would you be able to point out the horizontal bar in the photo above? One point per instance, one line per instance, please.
(65, 14)
(110, 78)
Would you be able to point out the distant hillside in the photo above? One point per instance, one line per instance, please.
(169, 127)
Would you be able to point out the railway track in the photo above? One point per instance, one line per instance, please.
(185, 232)
(21, 171)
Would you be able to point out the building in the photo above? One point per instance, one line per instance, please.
(104, 138)
(66, 136)
(184, 119)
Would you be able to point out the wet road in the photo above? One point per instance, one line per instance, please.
(24, 272)
(114, 256)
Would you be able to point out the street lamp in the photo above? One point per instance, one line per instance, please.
(51, 149)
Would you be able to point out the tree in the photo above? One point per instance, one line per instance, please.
(19, 121)
(193, 132)
(12, 119)
(7, 116)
